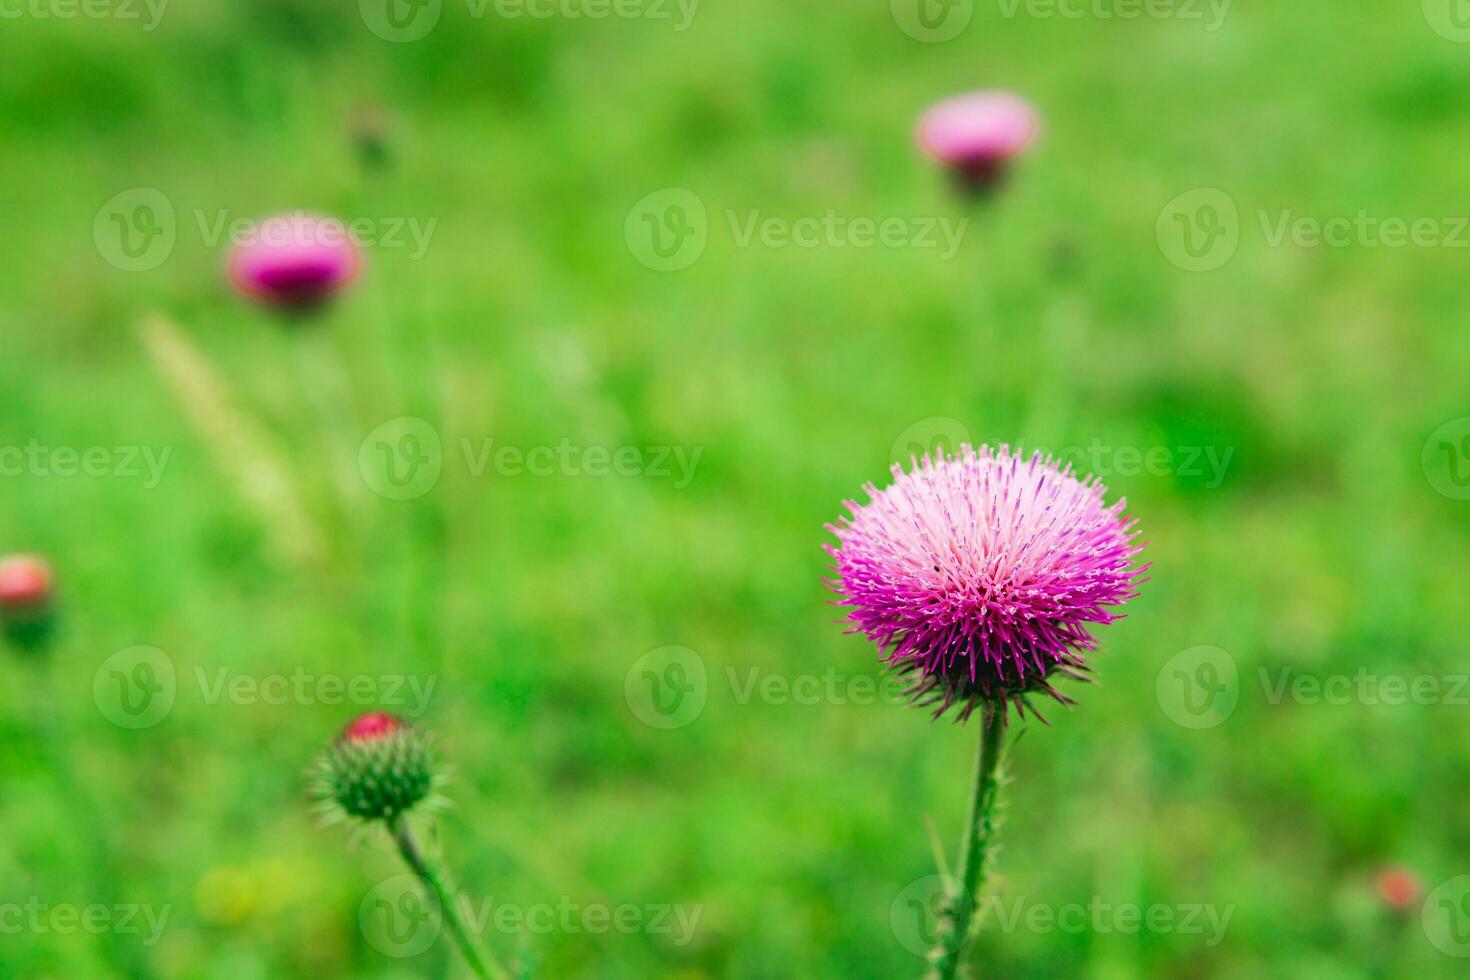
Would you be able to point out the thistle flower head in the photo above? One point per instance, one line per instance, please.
(977, 134)
(378, 768)
(979, 572)
(294, 261)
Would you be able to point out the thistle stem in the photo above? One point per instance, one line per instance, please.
(433, 875)
(959, 912)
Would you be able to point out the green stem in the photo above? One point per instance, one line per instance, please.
(434, 876)
(959, 911)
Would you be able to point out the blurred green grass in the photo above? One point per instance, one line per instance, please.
(792, 827)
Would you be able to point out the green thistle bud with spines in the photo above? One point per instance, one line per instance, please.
(378, 771)
(379, 768)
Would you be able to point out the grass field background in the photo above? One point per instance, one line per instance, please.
(1329, 543)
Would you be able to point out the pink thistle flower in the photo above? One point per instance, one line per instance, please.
(977, 135)
(294, 261)
(981, 571)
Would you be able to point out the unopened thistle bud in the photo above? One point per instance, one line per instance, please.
(27, 592)
(295, 262)
(379, 768)
(977, 136)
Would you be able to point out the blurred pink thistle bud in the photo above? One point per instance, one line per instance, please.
(1398, 888)
(977, 135)
(294, 261)
(27, 600)
(26, 585)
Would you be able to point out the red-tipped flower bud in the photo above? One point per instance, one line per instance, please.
(1398, 888)
(26, 585)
